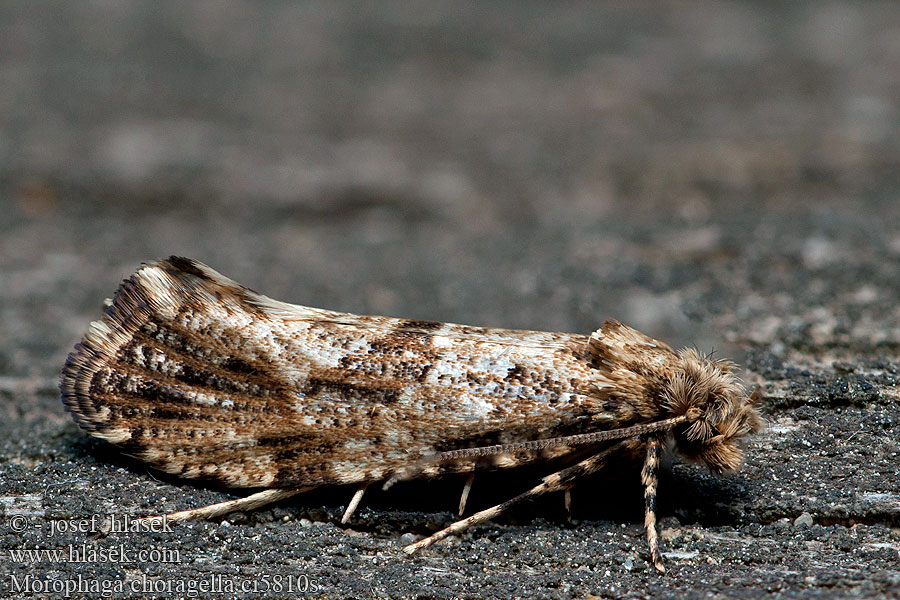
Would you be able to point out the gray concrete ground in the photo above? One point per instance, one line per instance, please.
(713, 173)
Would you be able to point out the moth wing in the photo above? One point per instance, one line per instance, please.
(204, 378)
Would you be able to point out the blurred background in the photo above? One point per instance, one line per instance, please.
(520, 164)
(723, 174)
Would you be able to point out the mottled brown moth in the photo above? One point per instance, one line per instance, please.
(203, 378)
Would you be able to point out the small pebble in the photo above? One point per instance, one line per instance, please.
(804, 519)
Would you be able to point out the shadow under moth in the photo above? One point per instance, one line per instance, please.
(203, 378)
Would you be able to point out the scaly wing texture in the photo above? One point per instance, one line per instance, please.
(204, 378)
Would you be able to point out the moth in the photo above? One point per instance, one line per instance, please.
(203, 378)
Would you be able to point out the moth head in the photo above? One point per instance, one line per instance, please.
(653, 381)
(720, 413)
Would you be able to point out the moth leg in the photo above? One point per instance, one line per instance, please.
(251, 502)
(354, 502)
(649, 479)
(465, 493)
(554, 482)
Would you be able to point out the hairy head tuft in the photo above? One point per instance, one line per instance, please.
(723, 413)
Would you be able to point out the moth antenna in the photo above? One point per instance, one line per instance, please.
(567, 440)
(354, 502)
(649, 479)
(555, 482)
(465, 493)
(250, 502)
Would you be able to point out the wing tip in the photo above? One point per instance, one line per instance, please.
(131, 307)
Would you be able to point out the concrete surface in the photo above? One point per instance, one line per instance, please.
(713, 173)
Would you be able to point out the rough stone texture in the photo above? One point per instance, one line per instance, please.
(722, 174)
